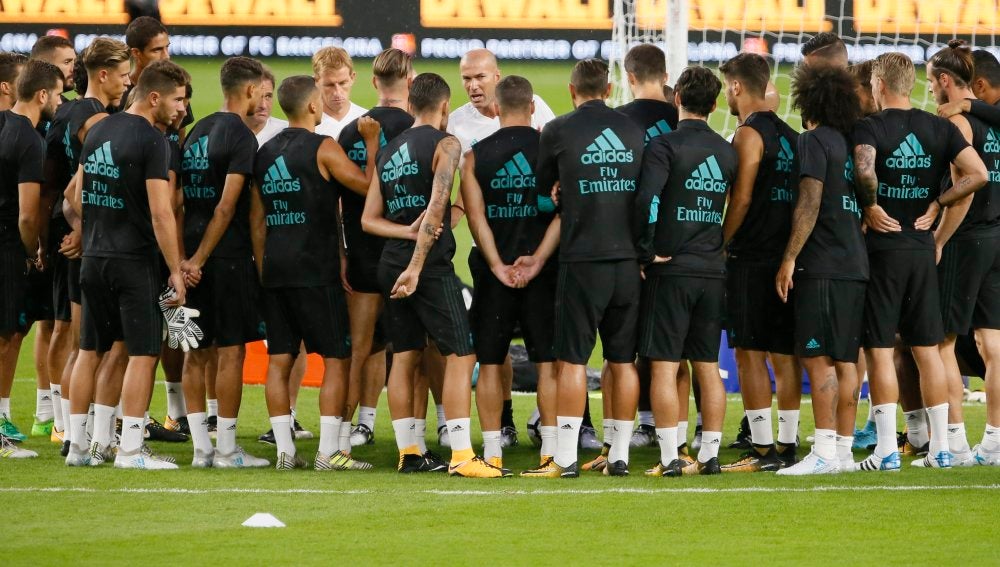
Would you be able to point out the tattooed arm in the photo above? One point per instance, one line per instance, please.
(866, 190)
(803, 221)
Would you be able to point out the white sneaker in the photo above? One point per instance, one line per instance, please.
(100, 455)
(983, 457)
(139, 461)
(963, 458)
(10, 450)
(362, 435)
(288, 462)
(942, 460)
(811, 464)
(238, 459)
(202, 460)
(76, 458)
(847, 464)
(443, 439)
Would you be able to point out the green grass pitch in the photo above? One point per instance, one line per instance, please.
(57, 515)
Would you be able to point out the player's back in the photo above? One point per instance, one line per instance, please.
(595, 154)
(655, 117)
(983, 218)
(18, 139)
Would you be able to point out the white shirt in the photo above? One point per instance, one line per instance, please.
(330, 126)
(469, 125)
(270, 129)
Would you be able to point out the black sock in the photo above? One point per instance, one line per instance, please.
(507, 418)
(586, 415)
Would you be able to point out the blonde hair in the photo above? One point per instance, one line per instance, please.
(391, 66)
(896, 71)
(105, 53)
(331, 58)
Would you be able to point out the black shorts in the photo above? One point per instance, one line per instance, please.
(829, 318)
(73, 281)
(969, 277)
(597, 297)
(120, 302)
(903, 297)
(497, 310)
(13, 290)
(756, 319)
(227, 297)
(38, 301)
(362, 269)
(436, 310)
(680, 317)
(314, 315)
(58, 268)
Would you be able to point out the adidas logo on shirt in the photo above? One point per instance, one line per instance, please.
(910, 154)
(101, 163)
(812, 344)
(399, 165)
(607, 148)
(66, 146)
(708, 177)
(359, 153)
(515, 174)
(992, 144)
(660, 128)
(278, 180)
(196, 155)
(785, 156)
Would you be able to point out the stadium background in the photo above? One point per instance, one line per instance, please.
(194, 516)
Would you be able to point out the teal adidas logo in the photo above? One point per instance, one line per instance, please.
(910, 154)
(515, 174)
(607, 148)
(279, 180)
(660, 128)
(359, 153)
(66, 147)
(813, 344)
(654, 209)
(707, 177)
(849, 169)
(399, 165)
(785, 156)
(992, 144)
(101, 163)
(196, 155)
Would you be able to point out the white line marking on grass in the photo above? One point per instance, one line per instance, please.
(501, 492)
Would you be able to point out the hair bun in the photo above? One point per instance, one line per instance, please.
(958, 44)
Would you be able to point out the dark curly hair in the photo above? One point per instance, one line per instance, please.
(825, 96)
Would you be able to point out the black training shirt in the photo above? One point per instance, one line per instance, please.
(983, 218)
(655, 117)
(22, 160)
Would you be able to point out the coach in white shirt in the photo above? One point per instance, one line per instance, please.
(334, 74)
(263, 125)
(478, 118)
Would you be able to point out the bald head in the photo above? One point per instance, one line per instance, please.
(480, 75)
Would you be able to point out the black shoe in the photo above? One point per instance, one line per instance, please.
(65, 448)
(571, 471)
(761, 458)
(617, 468)
(711, 467)
(213, 424)
(299, 432)
(156, 432)
(433, 462)
(411, 464)
(184, 427)
(696, 440)
(508, 436)
(268, 438)
(786, 454)
(742, 436)
(682, 449)
(673, 469)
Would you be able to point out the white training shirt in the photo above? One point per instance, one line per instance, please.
(469, 125)
(270, 129)
(330, 126)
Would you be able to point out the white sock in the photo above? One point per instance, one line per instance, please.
(844, 445)
(404, 433)
(420, 434)
(620, 442)
(885, 429)
(491, 444)
(646, 418)
(78, 432)
(958, 441)
(938, 418)
(567, 437)
(102, 424)
(120, 415)
(66, 411)
(788, 426)
(991, 439)
(329, 434)
(667, 437)
(198, 422)
(761, 432)
(871, 409)
(132, 433)
(5, 408)
(345, 437)
(710, 442)
(213, 408)
(608, 426)
(57, 413)
(825, 445)
(682, 433)
(175, 400)
(548, 435)
(440, 415)
(366, 417)
(459, 434)
(90, 420)
(916, 427)
(43, 405)
(697, 421)
(282, 427)
(225, 438)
